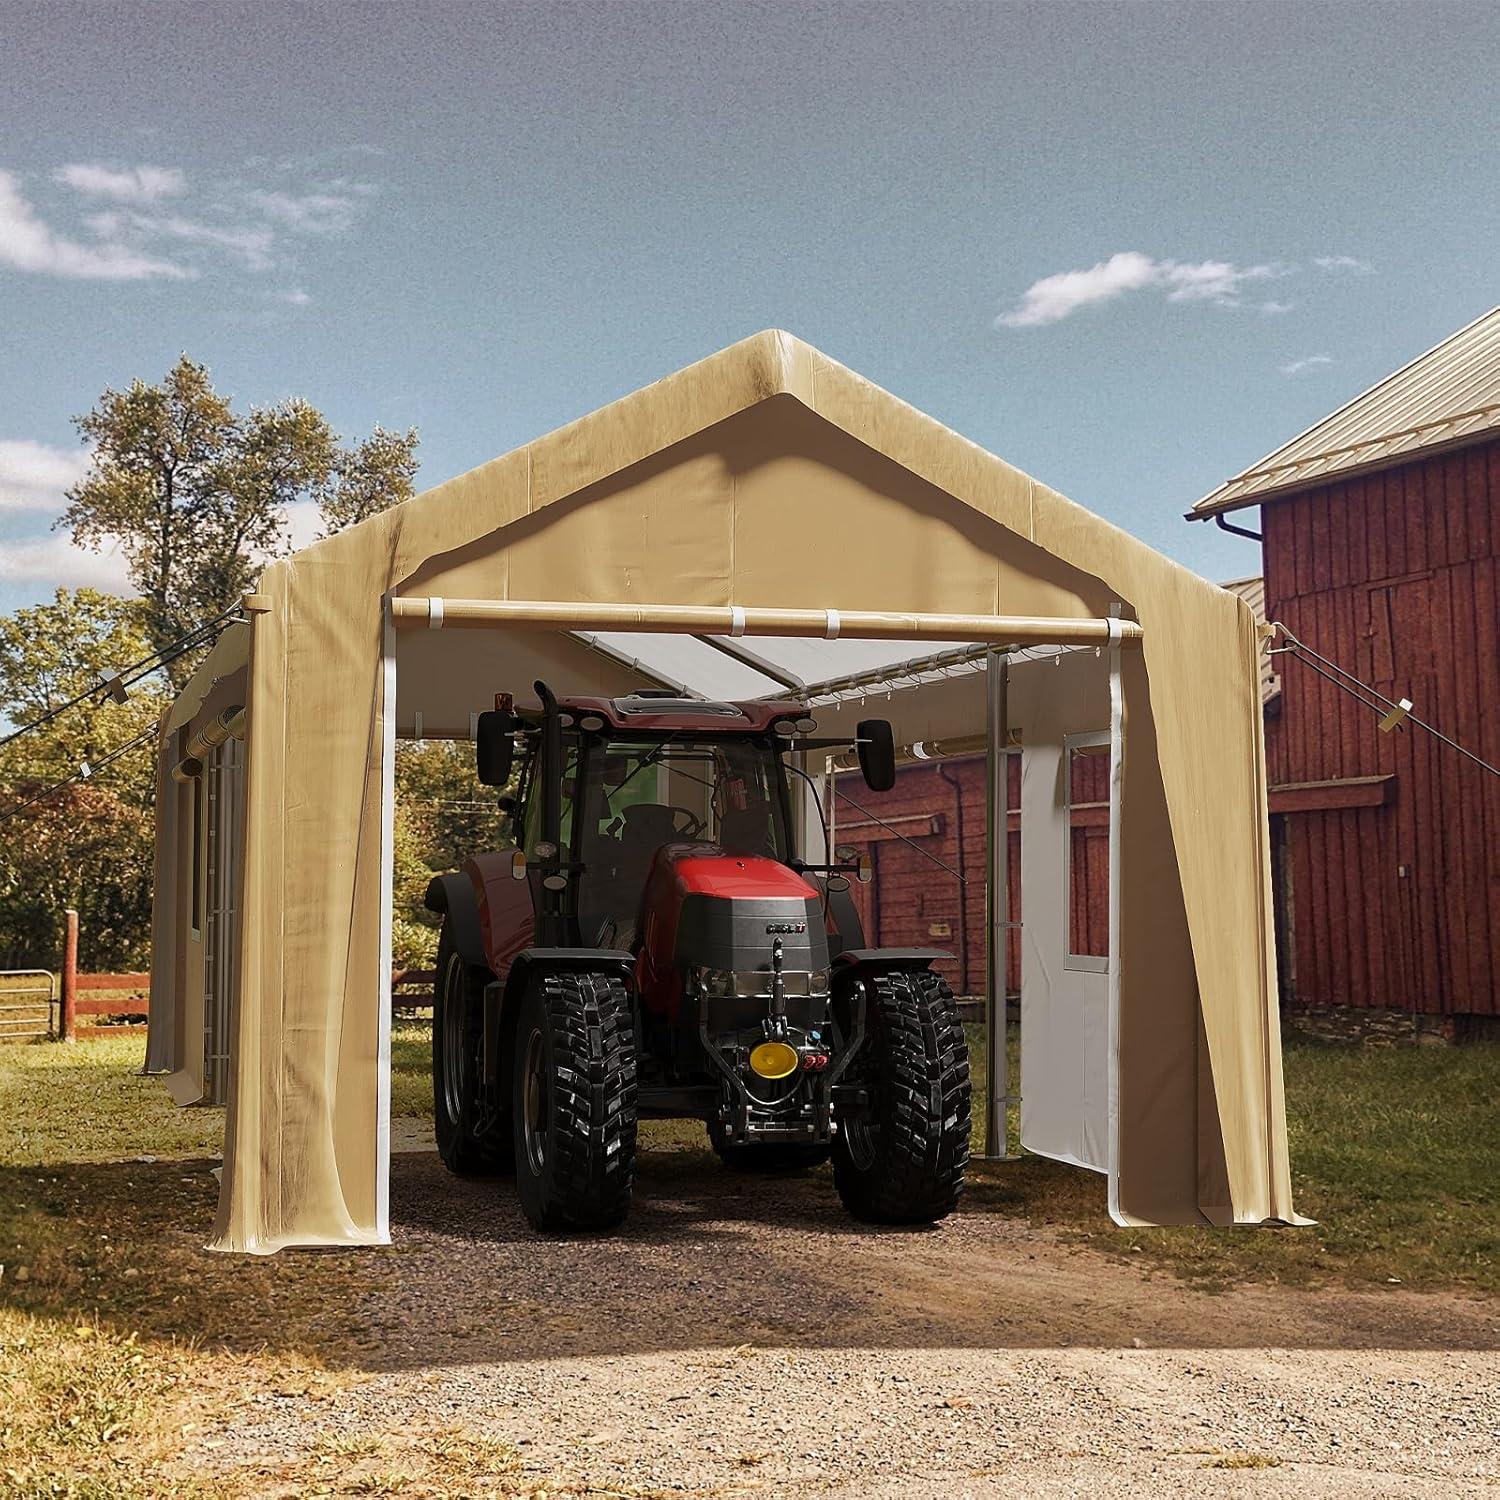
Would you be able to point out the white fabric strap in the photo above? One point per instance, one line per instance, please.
(435, 613)
(831, 629)
(736, 620)
(1116, 629)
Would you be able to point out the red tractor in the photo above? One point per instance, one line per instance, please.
(654, 947)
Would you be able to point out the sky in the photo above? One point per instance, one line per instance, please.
(1129, 248)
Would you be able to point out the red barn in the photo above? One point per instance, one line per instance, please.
(1381, 543)
(1382, 552)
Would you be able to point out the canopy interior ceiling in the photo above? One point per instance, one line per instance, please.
(768, 477)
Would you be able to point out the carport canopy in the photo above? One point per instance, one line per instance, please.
(759, 523)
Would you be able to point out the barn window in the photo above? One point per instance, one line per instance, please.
(1086, 766)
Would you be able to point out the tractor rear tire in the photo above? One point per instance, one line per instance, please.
(770, 1158)
(575, 1100)
(901, 1159)
(470, 1144)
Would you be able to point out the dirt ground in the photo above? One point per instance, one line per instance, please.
(745, 1336)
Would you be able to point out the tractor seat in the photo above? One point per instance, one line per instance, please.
(646, 826)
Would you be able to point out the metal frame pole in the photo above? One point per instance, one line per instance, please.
(997, 925)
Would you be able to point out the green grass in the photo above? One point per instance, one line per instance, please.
(1394, 1152)
(86, 1102)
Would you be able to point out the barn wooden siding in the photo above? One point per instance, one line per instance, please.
(1387, 846)
(913, 902)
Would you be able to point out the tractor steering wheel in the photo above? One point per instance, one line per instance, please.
(694, 825)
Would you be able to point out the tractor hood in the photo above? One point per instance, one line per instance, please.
(725, 911)
(699, 869)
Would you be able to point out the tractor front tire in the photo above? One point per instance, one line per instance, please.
(900, 1159)
(575, 1100)
(771, 1158)
(469, 1144)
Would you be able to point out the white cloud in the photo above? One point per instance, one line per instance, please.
(56, 562)
(1056, 297)
(251, 246)
(1311, 362)
(1272, 308)
(307, 213)
(27, 244)
(141, 222)
(1349, 263)
(296, 297)
(34, 476)
(1209, 280)
(126, 185)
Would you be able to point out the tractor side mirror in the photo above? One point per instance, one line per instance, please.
(494, 747)
(876, 749)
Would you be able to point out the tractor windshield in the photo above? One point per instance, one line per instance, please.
(628, 797)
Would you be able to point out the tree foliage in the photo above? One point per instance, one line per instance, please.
(197, 497)
(443, 815)
(89, 844)
(49, 654)
(88, 847)
(372, 476)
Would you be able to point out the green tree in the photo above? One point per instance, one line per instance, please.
(372, 476)
(49, 654)
(443, 815)
(197, 496)
(87, 845)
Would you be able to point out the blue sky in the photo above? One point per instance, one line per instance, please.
(1128, 247)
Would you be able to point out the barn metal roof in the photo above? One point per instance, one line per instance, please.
(1445, 398)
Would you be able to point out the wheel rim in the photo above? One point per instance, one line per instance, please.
(453, 1040)
(535, 1103)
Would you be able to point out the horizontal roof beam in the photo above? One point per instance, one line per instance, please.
(735, 620)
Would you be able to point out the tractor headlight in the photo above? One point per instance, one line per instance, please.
(716, 982)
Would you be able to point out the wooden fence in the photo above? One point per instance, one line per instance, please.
(115, 1001)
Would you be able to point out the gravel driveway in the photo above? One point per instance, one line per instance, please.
(743, 1335)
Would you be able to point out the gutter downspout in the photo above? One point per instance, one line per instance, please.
(1244, 531)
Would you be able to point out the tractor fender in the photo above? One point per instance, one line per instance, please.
(501, 1000)
(453, 897)
(563, 958)
(889, 958)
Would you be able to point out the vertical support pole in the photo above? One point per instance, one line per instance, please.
(387, 898)
(997, 850)
(67, 1021)
(830, 798)
(1116, 782)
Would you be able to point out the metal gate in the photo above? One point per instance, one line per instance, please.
(27, 1006)
(224, 789)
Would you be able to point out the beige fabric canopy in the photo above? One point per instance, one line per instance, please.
(765, 477)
